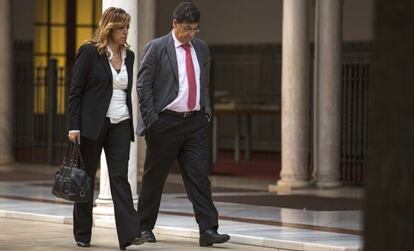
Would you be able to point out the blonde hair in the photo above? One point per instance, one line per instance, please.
(112, 18)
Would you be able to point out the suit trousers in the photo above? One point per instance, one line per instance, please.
(115, 140)
(170, 138)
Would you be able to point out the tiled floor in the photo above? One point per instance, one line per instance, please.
(280, 228)
(23, 235)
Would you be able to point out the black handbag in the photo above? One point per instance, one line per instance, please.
(71, 181)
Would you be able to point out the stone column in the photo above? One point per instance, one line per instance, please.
(295, 93)
(6, 95)
(147, 28)
(327, 93)
(104, 201)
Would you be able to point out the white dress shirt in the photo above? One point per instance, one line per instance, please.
(180, 102)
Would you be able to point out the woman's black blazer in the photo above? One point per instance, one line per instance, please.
(91, 91)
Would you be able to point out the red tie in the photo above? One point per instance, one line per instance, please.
(192, 87)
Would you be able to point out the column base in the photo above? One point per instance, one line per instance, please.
(6, 159)
(285, 186)
(328, 184)
(279, 189)
(293, 183)
(106, 206)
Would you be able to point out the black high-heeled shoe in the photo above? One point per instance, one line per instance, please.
(136, 241)
(82, 244)
(149, 235)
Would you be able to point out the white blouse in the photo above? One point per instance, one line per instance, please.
(118, 109)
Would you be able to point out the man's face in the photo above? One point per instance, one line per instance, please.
(185, 32)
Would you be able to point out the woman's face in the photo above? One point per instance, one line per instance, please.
(119, 36)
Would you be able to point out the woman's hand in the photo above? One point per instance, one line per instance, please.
(74, 136)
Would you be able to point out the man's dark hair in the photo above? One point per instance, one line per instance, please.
(186, 12)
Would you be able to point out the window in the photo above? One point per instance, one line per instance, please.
(61, 26)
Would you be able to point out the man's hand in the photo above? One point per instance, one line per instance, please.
(207, 116)
(74, 136)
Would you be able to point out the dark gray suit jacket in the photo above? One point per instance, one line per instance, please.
(157, 84)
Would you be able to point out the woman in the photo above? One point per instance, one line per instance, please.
(100, 116)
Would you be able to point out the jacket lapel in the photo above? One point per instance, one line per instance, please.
(199, 58)
(129, 65)
(104, 60)
(172, 55)
(199, 55)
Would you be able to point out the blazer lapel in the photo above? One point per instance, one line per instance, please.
(104, 60)
(129, 66)
(199, 56)
(172, 55)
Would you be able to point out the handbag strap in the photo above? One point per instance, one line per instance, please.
(70, 152)
(79, 154)
(73, 156)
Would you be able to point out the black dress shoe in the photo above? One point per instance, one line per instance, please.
(149, 235)
(135, 241)
(210, 237)
(82, 244)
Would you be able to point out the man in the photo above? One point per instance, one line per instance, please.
(175, 109)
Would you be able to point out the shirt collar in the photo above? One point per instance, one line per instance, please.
(176, 42)
(111, 53)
